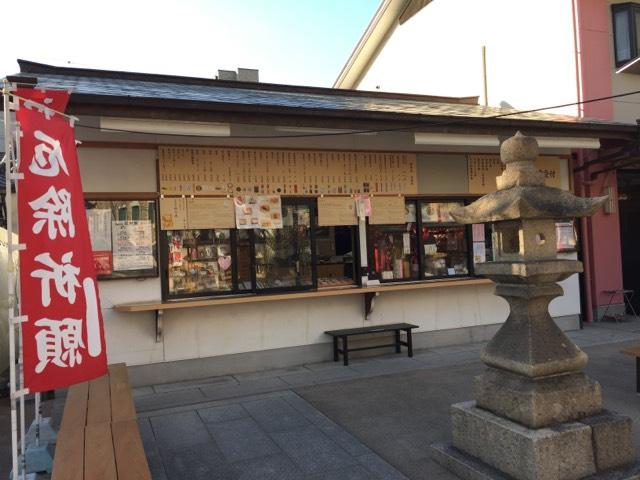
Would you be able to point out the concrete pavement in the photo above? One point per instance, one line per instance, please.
(372, 420)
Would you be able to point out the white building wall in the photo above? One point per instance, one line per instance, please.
(530, 53)
(227, 329)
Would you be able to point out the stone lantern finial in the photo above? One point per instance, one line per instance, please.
(518, 154)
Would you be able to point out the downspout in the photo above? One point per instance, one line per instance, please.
(585, 242)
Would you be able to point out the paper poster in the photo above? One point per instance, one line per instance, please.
(566, 237)
(132, 245)
(477, 230)
(387, 211)
(479, 252)
(406, 243)
(483, 170)
(363, 206)
(551, 168)
(258, 211)
(336, 211)
(224, 170)
(430, 249)
(103, 262)
(205, 213)
(430, 212)
(173, 214)
(99, 221)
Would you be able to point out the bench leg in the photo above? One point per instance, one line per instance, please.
(637, 374)
(335, 349)
(409, 342)
(345, 351)
(397, 341)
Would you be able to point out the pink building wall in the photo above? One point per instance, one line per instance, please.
(595, 66)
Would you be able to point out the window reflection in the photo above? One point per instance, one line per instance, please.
(283, 255)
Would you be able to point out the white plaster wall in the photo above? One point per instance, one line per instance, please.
(530, 57)
(118, 169)
(226, 329)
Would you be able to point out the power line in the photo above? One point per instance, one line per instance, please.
(460, 121)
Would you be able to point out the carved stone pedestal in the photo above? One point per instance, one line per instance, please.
(486, 446)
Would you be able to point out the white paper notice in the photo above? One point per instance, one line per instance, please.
(258, 211)
(478, 232)
(99, 221)
(132, 245)
(430, 249)
(406, 244)
(479, 252)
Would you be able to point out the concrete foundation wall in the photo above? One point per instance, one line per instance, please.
(174, 371)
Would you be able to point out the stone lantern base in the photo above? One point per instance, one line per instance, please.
(488, 447)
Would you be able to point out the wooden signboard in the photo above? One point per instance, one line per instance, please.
(483, 170)
(234, 171)
(387, 211)
(333, 211)
(210, 213)
(173, 214)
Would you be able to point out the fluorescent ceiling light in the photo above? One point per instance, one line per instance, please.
(462, 140)
(166, 127)
(568, 142)
(457, 140)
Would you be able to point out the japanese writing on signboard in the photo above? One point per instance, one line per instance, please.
(63, 338)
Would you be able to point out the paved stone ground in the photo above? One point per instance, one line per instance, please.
(372, 420)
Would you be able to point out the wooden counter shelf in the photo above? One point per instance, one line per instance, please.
(369, 294)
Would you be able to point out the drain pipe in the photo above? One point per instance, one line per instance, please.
(585, 241)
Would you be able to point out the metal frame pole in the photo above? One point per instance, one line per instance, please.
(17, 308)
(10, 278)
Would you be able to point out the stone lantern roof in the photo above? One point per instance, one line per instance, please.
(522, 193)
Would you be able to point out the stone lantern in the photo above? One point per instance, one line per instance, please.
(536, 415)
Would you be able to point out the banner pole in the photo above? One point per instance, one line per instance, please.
(10, 279)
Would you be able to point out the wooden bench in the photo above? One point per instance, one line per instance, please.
(98, 437)
(350, 332)
(634, 352)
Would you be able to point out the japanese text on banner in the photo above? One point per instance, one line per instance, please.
(63, 333)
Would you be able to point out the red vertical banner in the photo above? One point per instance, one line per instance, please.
(63, 335)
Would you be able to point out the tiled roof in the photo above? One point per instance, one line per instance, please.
(146, 86)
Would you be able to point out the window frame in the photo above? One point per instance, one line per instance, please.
(312, 204)
(467, 232)
(417, 200)
(164, 283)
(131, 197)
(632, 9)
(235, 290)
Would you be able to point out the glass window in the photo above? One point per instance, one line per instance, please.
(243, 262)
(394, 248)
(444, 243)
(123, 237)
(622, 35)
(283, 256)
(199, 262)
(334, 256)
(626, 31)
